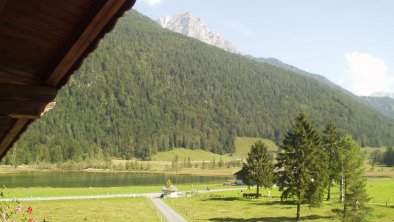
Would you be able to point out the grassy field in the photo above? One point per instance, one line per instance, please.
(378, 171)
(230, 206)
(51, 192)
(242, 147)
(369, 150)
(200, 162)
(381, 190)
(119, 209)
(98, 210)
(243, 144)
(184, 154)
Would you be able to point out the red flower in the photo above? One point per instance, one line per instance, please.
(29, 210)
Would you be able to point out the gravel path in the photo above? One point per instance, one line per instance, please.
(170, 214)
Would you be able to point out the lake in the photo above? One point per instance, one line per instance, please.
(90, 179)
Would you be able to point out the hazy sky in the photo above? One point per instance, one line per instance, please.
(351, 42)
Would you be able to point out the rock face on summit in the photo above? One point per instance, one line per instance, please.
(194, 27)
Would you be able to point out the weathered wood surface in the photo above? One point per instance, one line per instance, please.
(11, 134)
(11, 92)
(41, 43)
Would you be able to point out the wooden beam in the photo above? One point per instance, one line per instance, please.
(88, 35)
(5, 122)
(6, 77)
(25, 109)
(11, 92)
(48, 107)
(15, 78)
(11, 135)
(3, 3)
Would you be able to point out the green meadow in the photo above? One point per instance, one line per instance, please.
(231, 206)
(97, 210)
(228, 206)
(243, 144)
(60, 192)
(185, 154)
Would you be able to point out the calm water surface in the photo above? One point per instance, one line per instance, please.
(88, 179)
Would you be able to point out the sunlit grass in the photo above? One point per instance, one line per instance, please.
(223, 206)
(243, 144)
(230, 206)
(105, 210)
(184, 154)
(55, 192)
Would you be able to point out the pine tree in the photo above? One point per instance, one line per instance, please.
(259, 169)
(355, 196)
(221, 163)
(302, 165)
(189, 163)
(331, 143)
(388, 156)
(213, 165)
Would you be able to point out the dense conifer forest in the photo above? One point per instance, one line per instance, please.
(384, 105)
(146, 89)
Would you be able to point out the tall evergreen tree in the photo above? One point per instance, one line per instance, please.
(258, 169)
(355, 196)
(376, 157)
(302, 165)
(388, 156)
(331, 143)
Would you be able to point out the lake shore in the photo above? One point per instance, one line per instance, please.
(376, 172)
(4, 169)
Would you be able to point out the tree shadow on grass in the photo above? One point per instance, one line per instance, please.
(271, 219)
(271, 203)
(222, 199)
(282, 204)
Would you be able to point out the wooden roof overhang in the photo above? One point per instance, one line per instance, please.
(42, 42)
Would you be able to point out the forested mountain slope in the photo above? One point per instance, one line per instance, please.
(384, 105)
(147, 89)
(382, 102)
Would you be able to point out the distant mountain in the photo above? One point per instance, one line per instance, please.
(383, 94)
(147, 89)
(280, 64)
(383, 104)
(295, 70)
(194, 27)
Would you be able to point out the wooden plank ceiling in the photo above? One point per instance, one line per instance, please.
(42, 42)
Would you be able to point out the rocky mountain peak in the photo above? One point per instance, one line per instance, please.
(194, 27)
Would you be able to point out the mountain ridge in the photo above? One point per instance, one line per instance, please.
(382, 94)
(384, 105)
